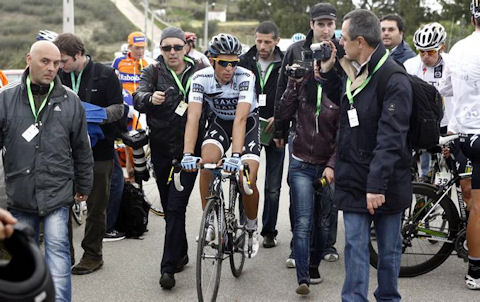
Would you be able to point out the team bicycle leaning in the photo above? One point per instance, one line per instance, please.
(347, 129)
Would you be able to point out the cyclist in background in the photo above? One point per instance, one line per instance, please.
(429, 65)
(230, 93)
(200, 59)
(3, 79)
(464, 77)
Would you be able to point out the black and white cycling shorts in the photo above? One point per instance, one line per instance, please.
(471, 148)
(219, 133)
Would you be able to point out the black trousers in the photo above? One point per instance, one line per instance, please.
(174, 204)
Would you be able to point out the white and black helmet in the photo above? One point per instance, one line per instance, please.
(46, 35)
(475, 8)
(224, 44)
(429, 36)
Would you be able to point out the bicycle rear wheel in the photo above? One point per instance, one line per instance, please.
(236, 238)
(425, 246)
(209, 254)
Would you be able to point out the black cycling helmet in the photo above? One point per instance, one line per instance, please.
(25, 277)
(224, 44)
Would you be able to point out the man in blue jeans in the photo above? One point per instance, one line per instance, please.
(48, 148)
(313, 157)
(372, 172)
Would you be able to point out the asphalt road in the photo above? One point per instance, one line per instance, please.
(132, 270)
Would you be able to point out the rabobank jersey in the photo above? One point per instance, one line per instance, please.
(223, 99)
(432, 75)
(129, 70)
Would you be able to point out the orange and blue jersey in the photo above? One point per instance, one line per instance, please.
(129, 70)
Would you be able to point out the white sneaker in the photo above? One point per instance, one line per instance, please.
(255, 245)
(210, 236)
(331, 257)
(290, 263)
(472, 283)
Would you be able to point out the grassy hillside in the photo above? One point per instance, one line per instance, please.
(102, 28)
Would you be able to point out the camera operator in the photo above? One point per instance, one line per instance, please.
(322, 24)
(162, 95)
(313, 157)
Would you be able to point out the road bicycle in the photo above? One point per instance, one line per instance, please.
(432, 227)
(229, 235)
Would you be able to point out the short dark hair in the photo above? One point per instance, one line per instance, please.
(396, 18)
(268, 27)
(70, 44)
(364, 23)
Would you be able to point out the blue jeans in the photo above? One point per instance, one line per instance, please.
(116, 192)
(273, 184)
(357, 256)
(57, 247)
(425, 163)
(307, 217)
(291, 215)
(329, 214)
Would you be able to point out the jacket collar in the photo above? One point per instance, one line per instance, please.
(351, 71)
(58, 89)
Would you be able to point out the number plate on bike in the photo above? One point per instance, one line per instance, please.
(442, 178)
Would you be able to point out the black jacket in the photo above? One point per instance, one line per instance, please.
(99, 86)
(295, 53)
(374, 157)
(249, 61)
(40, 174)
(315, 146)
(167, 128)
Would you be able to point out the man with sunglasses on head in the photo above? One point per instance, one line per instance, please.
(163, 95)
(429, 65)
(229, 91)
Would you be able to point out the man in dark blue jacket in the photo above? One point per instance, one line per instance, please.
(372, 173)
(392, 38)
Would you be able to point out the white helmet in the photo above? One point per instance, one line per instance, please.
(298, 37)
(475, 8)
(429, 36)
(46, 35)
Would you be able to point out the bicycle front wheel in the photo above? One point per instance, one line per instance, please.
(427, 240)
(209, 253)
(236, 237)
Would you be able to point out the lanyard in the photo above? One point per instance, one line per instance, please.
(76, 84)
(267, 74)
(319, 99)
(32, 102)
(179, 84)
(357, 91)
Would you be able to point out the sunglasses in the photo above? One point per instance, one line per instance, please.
(226, 63)
(168, 48)
(429, 52)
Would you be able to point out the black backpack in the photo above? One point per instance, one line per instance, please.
(133, 215)
(427, 108)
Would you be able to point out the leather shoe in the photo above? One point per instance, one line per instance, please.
(87, 266)
(167, 281)
(181, 264)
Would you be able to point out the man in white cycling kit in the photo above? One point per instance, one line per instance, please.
(230, 94)
(429, 65)
(463, 74)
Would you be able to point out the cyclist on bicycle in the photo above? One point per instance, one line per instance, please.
(429, 65)
(464, 77)
(230, 93)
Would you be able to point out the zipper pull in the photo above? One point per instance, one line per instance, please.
(316, 122)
